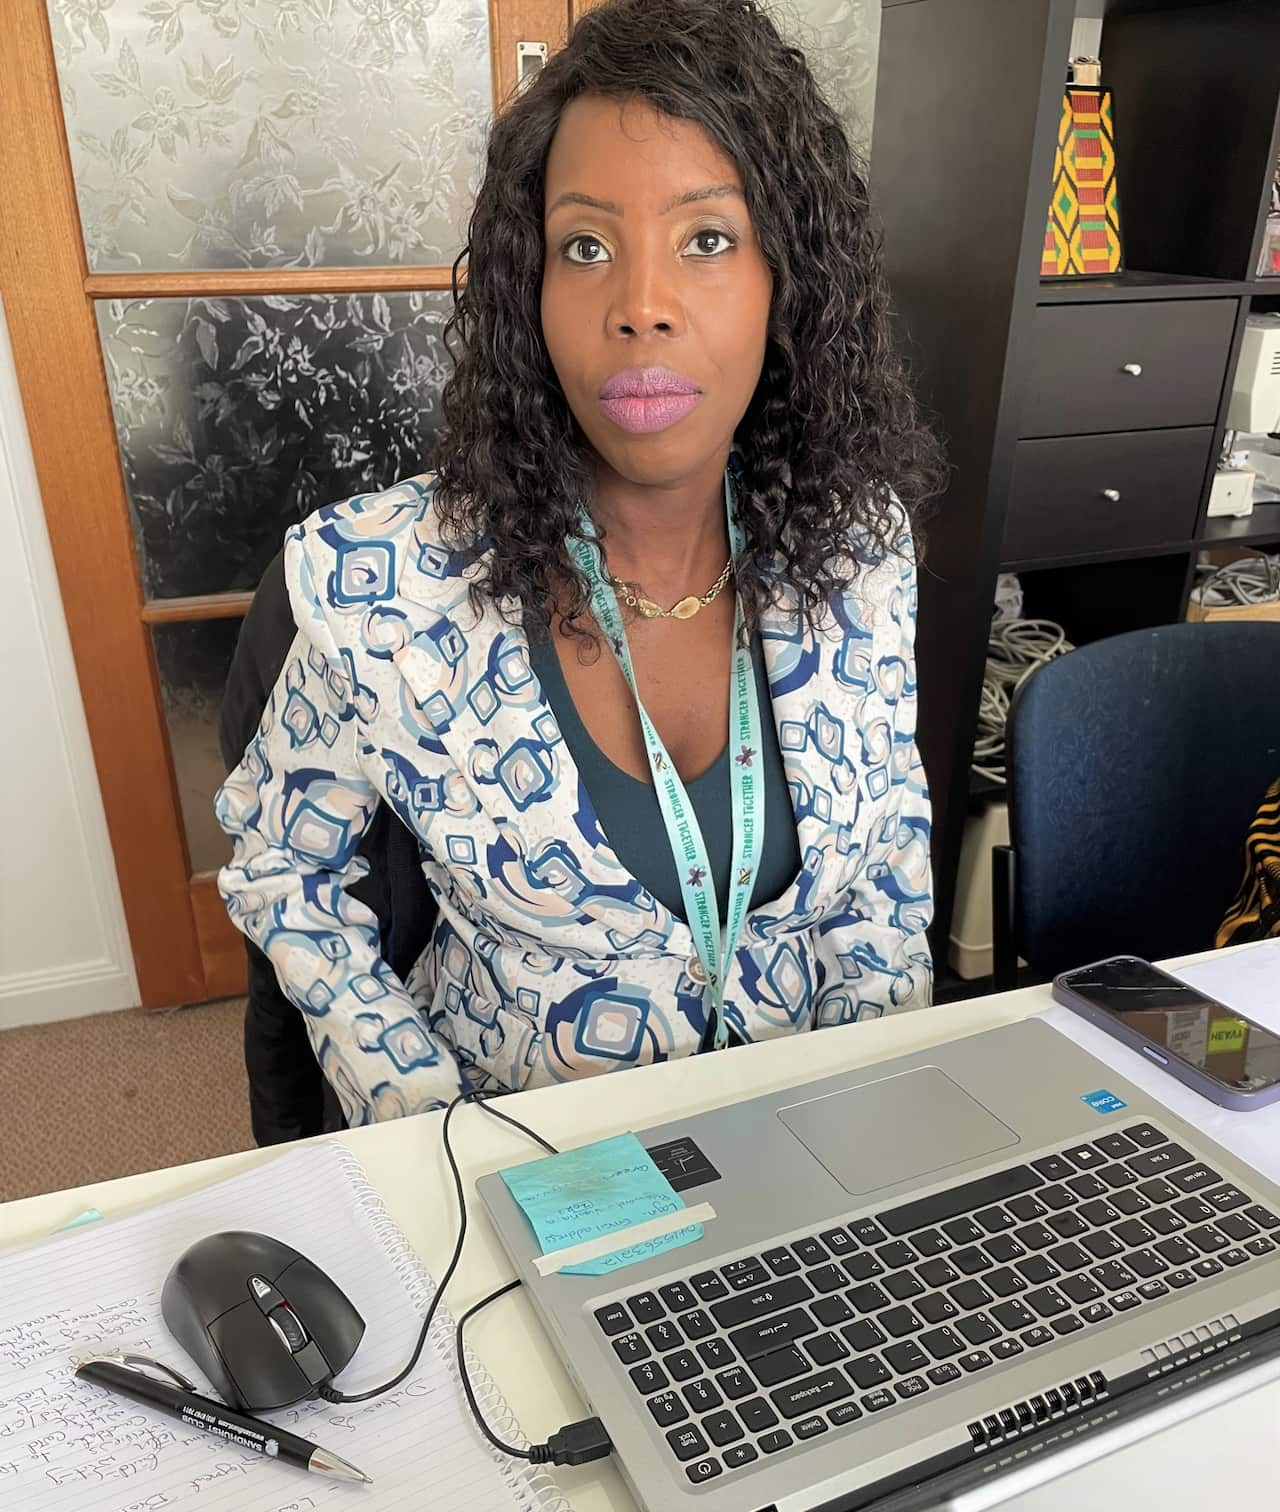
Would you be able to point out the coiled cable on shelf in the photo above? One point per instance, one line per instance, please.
(1250, 580)
(1015, 648)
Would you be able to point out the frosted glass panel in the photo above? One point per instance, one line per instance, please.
(193, 660)
(841, 39)
(263, 133)
(237, 417)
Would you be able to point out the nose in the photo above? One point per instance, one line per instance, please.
(645, 299)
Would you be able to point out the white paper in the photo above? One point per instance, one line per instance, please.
(1247, 980)
(68, 1446)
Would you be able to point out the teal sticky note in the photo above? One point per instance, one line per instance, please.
(597, 1189)
(90, 1215)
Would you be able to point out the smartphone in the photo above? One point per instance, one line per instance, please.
(1213, 1049)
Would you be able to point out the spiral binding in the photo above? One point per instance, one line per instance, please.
(531, 1484)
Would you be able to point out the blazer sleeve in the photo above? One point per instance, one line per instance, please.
(874, 953)
(295, 808)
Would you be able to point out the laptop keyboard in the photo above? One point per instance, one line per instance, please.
(754, 1357)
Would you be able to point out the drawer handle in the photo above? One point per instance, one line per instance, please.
(1113, 494)
(1134, 369)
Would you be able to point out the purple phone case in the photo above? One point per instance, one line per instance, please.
(1190, 1076)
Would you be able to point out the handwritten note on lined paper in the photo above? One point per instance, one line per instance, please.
(68, 1446)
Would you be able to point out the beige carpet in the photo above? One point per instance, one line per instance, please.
(116, 1093)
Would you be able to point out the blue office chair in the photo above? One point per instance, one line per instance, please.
(1135, 766)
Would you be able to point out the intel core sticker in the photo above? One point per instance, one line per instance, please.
(1104, 1102)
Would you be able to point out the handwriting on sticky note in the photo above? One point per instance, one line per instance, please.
(597, 1189)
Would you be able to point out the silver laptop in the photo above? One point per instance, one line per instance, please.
(919, 1273)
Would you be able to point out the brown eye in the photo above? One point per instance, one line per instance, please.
(578, 243)
(702, 237)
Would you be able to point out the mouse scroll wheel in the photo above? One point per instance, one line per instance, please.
(287, 1326)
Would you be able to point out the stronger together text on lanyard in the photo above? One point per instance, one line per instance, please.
(714, 940)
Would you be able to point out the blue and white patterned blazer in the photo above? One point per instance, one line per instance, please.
(549, 961)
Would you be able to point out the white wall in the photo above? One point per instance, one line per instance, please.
(63, 946)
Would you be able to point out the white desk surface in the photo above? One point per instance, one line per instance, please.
(405, 1162)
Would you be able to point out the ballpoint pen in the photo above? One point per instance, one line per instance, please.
(133, 1376)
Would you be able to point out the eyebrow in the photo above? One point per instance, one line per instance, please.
(689, 197)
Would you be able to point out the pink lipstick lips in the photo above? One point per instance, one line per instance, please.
(648, 399)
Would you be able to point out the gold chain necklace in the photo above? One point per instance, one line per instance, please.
(685, 609)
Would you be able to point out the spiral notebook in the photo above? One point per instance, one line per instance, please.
(67, 1446)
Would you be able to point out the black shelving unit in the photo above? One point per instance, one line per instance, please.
(1033, 381)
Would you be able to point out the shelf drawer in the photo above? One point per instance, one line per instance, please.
(1079, 383)
(1062, 500)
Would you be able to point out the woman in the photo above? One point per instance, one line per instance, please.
(677, 449)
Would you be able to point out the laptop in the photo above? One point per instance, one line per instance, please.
(918, 1274)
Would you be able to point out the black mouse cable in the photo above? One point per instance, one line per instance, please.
(575, 1443)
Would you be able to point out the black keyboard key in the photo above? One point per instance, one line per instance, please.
(1176, 1251)
(695, 1324)
(757, 1414)
(1165, 1221)
(1233, 1256)
(903, 1285)
(905, 1357)
(862, 1335)
(1026, 1208)
(739, 1455)
(1130, 1201)
(1123, 1301)
(772, 1442)
(1048, 1301)
(683, 1365)
(1153, 1289)
(1068, 1323)
(1157, 1190)
(1003, 1248)
(1207, 1267)
(667, 1409)
(1168, 1157)
(754, 1274)
(1191, 1178)
(1069, 1225)
(826, 1349)
(1225, 1199)
(1193, 1209)
(970, 1294)
(935, 1308)
(1146, 1135)
(826, 1278)
(722, 1428)
(962, 1231)
(867, 1231)
(1237, 1226)
(1085, 1157)
(1035, 1337)
(867, 1298)
(709, 1286)
(837, 1241)
(862, 1266)
(687, 1443)
(781, 1261)
(1102, 1245)
(735, 1383)
(630, 1348)
(1261, 1246)
(1263, 1217)
(810, 1251)
(843, 1412)
(736, 1268)
(1035, 1236)
(943, 1375)
(1117, 1176)
(869, 1371)
(1133, 1233)
(913, 1386)
(1115, 1145)
(1069, 1257)
(971, 1261)
(1004, 1282)
(703, 1470)
(1207, 1239)
(1114, 1276)
(781, 1365)
(1013, 1314)
(1099, 1213)
(977, 1359)
(677, 1296)
(1096, 1312)
(715, 1354)
(1037, 1270)
(929, 1242)
(1087, 1186)
(942, 1343)
(831, 1310)
(1145, 1262)
(815, 1391)
(615, 1319)
(896, 1254)
(751, 1305)
(956, 1200)
(995, 1219)
(646, 1308)
(664, 1335)
(937, 1272)
(978, 1329)
(1005, 1349)
(877, 1401)
(1054, 1168)
(648, 1377)
(809, 1427)
(1081, 1289)
(701, 1396)
(1057, 1197)
(899, 1321)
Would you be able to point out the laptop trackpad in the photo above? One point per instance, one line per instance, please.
(892, 1130)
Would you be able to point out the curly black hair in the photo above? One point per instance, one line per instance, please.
(832, 429)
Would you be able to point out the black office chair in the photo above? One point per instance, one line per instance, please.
(1135, 766)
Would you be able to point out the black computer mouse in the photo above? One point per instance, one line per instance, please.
(260, 1320)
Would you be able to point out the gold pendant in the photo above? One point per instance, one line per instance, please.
(686, 608)
(648, 608)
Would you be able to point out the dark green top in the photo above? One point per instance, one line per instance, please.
(630, 815)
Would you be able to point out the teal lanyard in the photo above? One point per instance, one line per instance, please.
(715, 945)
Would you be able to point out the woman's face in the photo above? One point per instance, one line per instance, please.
(655, 296)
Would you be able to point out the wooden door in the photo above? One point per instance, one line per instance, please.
(226, 231)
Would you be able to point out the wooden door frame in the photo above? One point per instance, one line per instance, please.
(185, 949)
